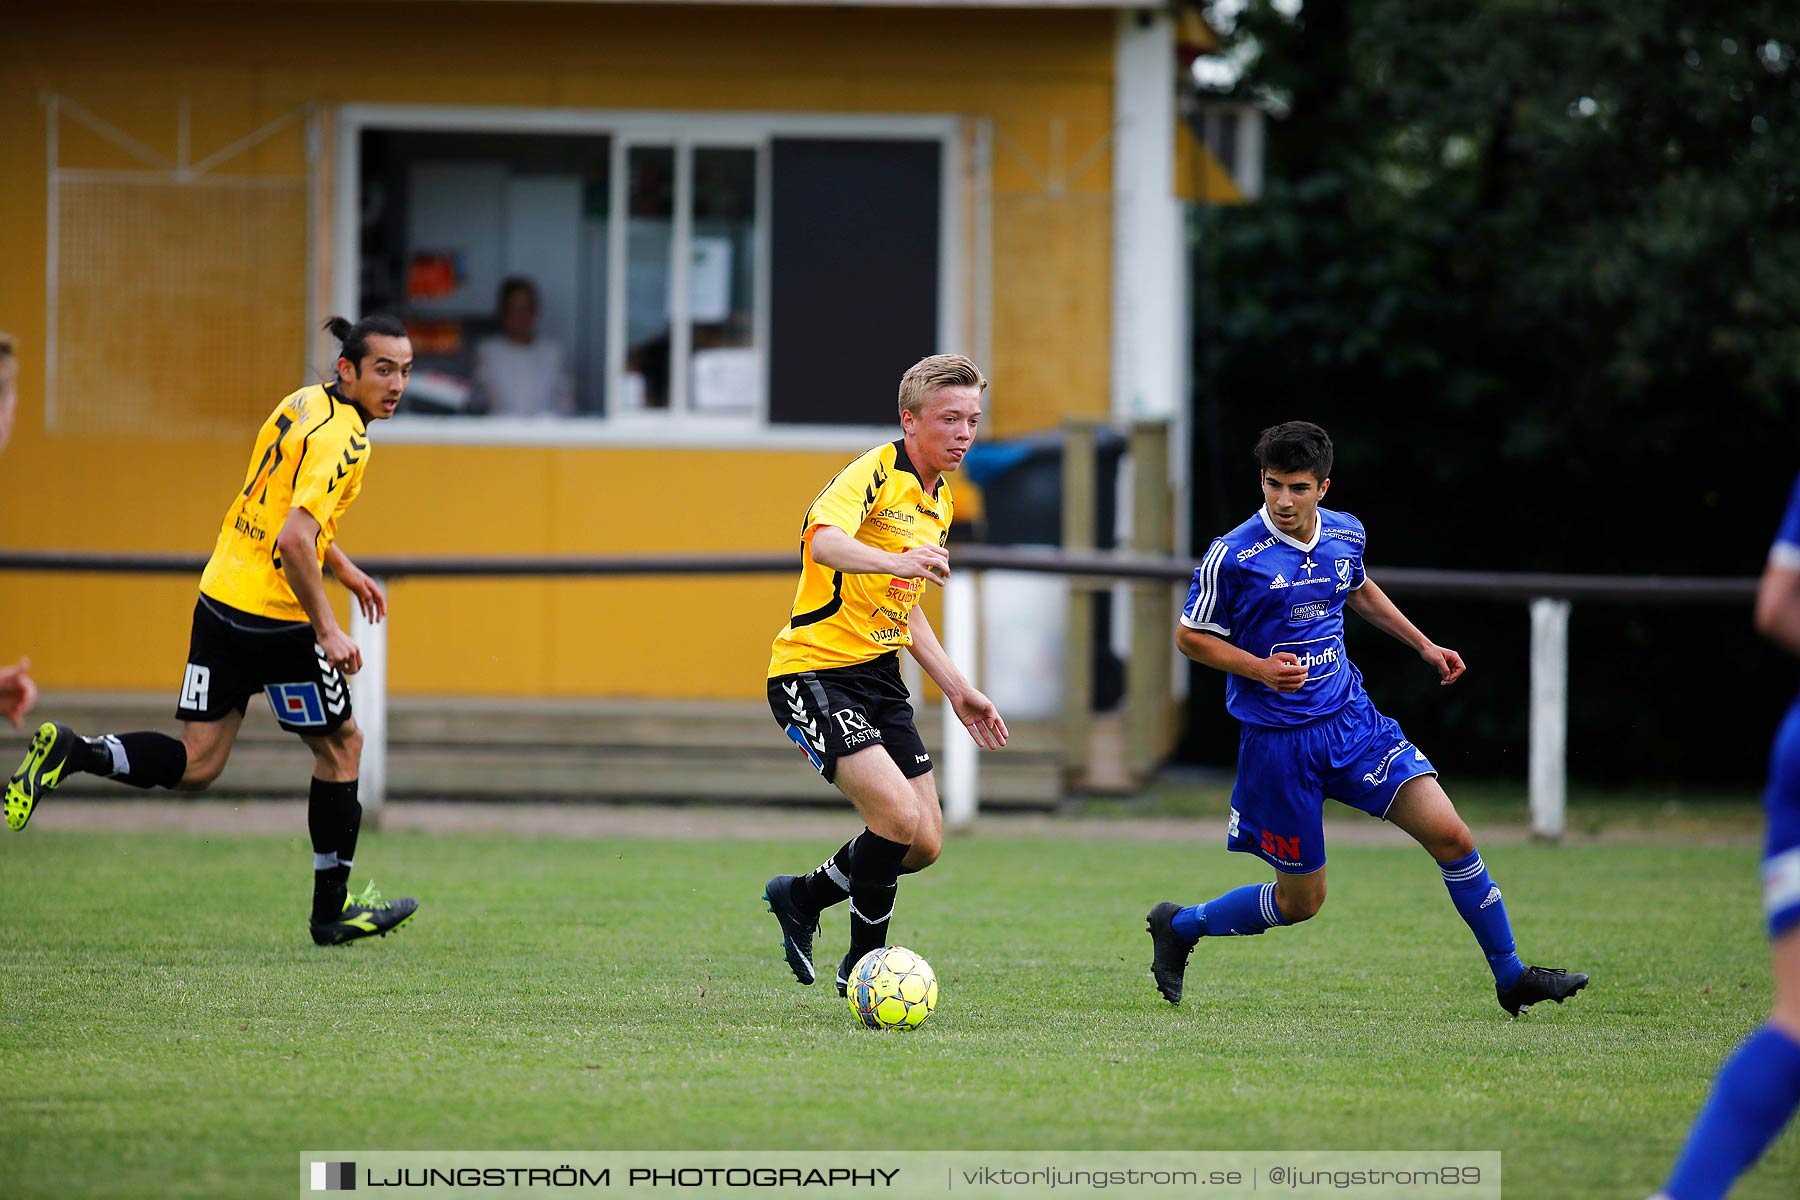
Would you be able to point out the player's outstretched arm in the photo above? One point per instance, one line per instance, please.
(1281, 672)
(974, 710)
(17, 691)
(1778, 606)
(298, 543)
(832, 547)
(369, 596)
(1372, 604)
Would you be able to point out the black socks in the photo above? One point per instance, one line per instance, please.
(829, 882)
(143, 760)
(330, 887)
(873, 884)
(333, 818)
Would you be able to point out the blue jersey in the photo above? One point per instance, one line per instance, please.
(1781, 802)
(1265, 592)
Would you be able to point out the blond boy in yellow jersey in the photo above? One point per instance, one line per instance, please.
(262, 623)
(869, 543)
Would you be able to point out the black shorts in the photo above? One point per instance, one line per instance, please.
(232, 655)
(839, 711)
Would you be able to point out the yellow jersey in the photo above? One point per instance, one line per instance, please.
(311, 453)
(840, 620)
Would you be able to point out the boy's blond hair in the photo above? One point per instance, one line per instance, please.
(925, 377)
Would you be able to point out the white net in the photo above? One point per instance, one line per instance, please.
(177, 304)
(178, 281)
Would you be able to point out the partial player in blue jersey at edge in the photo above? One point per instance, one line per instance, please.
(1758, 1088)
(1266, 606)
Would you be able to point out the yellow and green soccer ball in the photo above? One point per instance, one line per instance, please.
(892, 988)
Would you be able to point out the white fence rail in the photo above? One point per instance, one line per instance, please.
(1550, 598)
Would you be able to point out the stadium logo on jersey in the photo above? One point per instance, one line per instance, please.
(854, 726)
(1343, 574)
(1322, 657)
(1280, 582)
(296, 703)
(1312, 610)
(1251, 552)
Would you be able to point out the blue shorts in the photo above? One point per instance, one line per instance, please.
(1356, 756)
(1781, 850)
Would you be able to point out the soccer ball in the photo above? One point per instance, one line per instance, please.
(892, 988)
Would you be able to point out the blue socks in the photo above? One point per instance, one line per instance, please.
(1246, 911)
(1241, 912)
(1756, 1092)
(1476, 897)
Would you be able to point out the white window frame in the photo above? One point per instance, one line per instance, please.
(685, 130)
(680, 410)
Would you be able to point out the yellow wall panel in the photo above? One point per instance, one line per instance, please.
(1057, 259)
(471, 637)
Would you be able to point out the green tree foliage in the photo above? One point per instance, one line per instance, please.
(1536, 265)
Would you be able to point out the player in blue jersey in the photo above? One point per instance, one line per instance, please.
(1267, 606)
(1758, 1088)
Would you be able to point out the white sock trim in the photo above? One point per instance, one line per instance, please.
(1464, 874)
(121, 762)
(886, 916)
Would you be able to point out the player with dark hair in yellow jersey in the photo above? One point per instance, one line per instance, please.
(262, 624)
(869, 544)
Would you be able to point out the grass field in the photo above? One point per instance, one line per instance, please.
(170, 1030)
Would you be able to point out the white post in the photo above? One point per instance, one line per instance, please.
(1148, 243)
(1549, 715)
(962, 768)
(368, 700)
(913, 676)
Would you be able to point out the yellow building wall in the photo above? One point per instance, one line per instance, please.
(127, 480)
